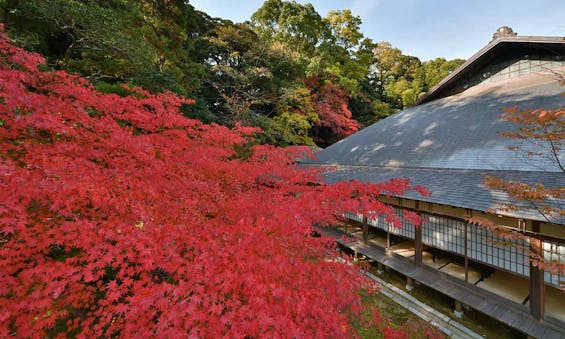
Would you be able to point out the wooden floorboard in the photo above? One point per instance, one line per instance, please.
(508, 312)
(500, 312)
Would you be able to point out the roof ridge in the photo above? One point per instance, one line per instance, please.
(492, 45)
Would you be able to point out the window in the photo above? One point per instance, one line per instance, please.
(554, 252)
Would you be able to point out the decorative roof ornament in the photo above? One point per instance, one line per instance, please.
(503, 31)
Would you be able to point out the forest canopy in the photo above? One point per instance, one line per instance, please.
(302, 78)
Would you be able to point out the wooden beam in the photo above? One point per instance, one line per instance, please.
(365, 230)
(537, 283)
(418, 248)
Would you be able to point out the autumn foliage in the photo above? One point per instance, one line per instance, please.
(543, 128)
(540, 134)
(335, 119)
(121, 217)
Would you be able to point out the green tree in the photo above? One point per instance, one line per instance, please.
(401, 79)
(297, 26)
(437, 69)
(367, 107)
(80, 36)
(345, 28)
(244, 74)
(289, 129)
(385, 66)
(173, 28)
(143, 43)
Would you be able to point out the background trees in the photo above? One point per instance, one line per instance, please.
(236, 72)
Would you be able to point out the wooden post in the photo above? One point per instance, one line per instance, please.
(466, 270)
(409, 284)
(466, 256)
(380, 268)
(418, 247)
(387, 240)
(458, 311)
(365, 230)
(537, 284)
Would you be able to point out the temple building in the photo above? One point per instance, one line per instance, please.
(448, 142)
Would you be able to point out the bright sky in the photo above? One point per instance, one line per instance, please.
(426, 28)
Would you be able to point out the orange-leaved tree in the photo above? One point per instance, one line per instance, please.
(540, 133)
(121, 217)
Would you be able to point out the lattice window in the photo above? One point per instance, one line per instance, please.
(554, 252)
(443, 233)
(354, 216)
(484, 246)
(512, 68)
(406, 229)
(378, 222)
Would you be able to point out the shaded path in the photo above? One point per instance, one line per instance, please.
(430, 315)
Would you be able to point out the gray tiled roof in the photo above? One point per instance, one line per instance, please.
(453, 187)
(460, 131)
(448, 144)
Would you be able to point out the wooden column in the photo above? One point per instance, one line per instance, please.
(388, 239)
(418, 248)
(365, 230)
(409, 284)
(458, 311)
(380, 267)
(466, 255)
(418, 238)
(537, 284)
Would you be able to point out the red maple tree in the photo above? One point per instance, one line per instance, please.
(335, 119)
(121, 217)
